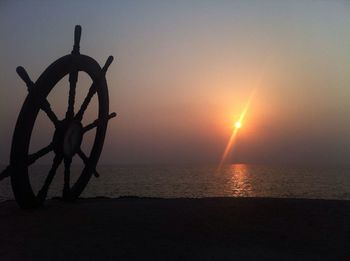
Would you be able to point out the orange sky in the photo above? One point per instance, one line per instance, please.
(184, 72)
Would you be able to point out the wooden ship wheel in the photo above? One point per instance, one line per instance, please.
(69, 132)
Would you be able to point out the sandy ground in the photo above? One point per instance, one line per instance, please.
(177, 229)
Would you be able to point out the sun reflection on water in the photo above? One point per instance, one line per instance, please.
(239, 182)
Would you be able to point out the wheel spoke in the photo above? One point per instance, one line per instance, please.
(31, 159)
(56, 163)
(45, 106)
(86, 102)
(97, 122)
(93, 89)
(73, 78)
(40, 153)
(5, 173)
(66, 186)
(86, 162)
(77, 36)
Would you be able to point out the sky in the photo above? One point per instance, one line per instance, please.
(184, 72)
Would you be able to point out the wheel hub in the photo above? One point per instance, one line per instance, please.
(67, 138)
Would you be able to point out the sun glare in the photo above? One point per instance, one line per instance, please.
(237, 125)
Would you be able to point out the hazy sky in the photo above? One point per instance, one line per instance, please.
(184, 70)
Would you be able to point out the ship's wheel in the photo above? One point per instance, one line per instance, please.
(69, 131)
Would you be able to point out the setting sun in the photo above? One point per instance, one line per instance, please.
(238, 124)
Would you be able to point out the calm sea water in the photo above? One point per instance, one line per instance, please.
(237, 180)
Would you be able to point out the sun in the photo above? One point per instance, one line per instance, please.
(238, 124)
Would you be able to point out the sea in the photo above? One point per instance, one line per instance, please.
(234, 180)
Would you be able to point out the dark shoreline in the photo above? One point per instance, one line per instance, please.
(133, 228)
(186, 198)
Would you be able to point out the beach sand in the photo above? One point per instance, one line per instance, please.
(177, 229)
